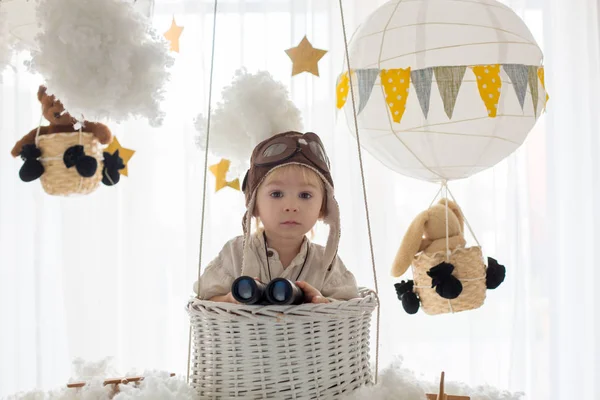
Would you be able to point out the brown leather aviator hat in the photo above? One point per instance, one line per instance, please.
(293, 148)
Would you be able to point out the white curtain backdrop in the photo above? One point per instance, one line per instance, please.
(109, 274)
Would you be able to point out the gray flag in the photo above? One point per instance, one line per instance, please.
(518, 74)
(449, 80)
(533, 85)
(366, 80)
(421, 80)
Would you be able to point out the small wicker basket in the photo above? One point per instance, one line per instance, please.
(469, 268)
(59, 180)
(308, 351)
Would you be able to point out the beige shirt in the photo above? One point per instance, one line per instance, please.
(335, 283)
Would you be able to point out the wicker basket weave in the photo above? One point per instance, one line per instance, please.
(59, 180)
(309, 351)
(469, 268)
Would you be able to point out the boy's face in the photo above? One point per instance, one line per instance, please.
(289, 206)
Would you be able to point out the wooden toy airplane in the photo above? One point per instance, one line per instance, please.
(115, 382)
(443, 396)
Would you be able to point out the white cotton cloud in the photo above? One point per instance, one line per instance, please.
(102, 59)
(253, 108)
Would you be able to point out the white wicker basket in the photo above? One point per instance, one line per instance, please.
(309, 351)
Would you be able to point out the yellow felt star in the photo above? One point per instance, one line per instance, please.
(305, 58)
(173, 35)
(124, 153)
(220, 172)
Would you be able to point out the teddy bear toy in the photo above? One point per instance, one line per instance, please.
(435, 245)
(61, 122)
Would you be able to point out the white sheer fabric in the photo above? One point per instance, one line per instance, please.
(109, 274)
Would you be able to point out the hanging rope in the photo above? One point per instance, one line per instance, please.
(445, 186)
(464, 218)
(436, 196)
(362, 175)
(210, 87)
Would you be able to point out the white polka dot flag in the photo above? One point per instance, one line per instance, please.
(396, 84)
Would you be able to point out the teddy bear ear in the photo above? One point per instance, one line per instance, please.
(41, 92)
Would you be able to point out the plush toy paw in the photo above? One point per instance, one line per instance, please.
(445, 284)
(410, 301)
(75, 157)
(113, 163)
(32, 168)
(495, 274)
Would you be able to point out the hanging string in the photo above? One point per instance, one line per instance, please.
(445, 186)
(436, 196)
(464, 218)
(210, 87)
(362, 175)
(37, 133)
(80, 143)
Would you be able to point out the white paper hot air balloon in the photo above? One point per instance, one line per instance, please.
(444, 89)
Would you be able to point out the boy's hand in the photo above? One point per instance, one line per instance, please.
(311, 295)
(226, 298)
(231, 299)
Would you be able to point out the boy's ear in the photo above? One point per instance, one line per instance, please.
(323, 212)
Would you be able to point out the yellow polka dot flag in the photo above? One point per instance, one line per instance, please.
(396, 87)
(342, 90)
(490, 84)
(542, 79)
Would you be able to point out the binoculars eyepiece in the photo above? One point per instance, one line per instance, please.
(279, 291)
(247, 290)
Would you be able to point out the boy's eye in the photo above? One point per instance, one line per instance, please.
(276, 193)
(305, 195)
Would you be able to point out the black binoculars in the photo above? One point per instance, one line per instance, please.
(279, 291)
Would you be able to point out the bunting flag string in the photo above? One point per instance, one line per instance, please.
(396, 85)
